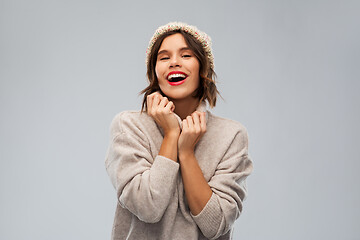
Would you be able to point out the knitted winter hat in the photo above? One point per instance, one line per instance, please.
(202, 37)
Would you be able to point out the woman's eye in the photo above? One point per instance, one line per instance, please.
(186, 56)
(164, 58)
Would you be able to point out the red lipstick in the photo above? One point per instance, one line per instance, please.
(176, 72)
(176, 83)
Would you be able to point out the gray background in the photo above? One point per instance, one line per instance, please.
(288, 70)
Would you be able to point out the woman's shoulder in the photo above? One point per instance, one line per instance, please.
(225, 124)
(130, 119)
(129, 115)
(224, 132)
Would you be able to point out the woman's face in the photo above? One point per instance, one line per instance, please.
(177, 68)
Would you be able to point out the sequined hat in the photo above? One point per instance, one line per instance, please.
(202, 37)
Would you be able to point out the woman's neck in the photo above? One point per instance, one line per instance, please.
(185, 107)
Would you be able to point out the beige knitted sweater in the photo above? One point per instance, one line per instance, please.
(150, 192)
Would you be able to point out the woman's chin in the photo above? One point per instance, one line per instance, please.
(178, 95)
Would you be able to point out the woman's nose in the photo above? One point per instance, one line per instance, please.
(175, 62)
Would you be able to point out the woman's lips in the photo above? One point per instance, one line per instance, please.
(176, 74)
(177, 83)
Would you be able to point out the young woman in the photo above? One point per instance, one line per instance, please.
(179, 171)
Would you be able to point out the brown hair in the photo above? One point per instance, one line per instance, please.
(207, 89)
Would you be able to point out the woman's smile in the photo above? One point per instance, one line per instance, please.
(177, 68)
(176, 78)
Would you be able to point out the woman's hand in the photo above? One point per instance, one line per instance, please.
(193, 128)
(162, 111)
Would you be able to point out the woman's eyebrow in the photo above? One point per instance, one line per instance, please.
(162, 51)
(184, 49)
(166, 51)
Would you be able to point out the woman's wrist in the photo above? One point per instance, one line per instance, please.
(168, 147)
(186, 154)
(172, 133)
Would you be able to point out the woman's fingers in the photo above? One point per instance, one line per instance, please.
(185, 125)
(155, 103)
(203, 122)
(159, 108)
(170, 106)
(149, 101)
(163, 102)
(157, 99)
(193, 128)
(190, 122)
(154, 94)
(196, 119)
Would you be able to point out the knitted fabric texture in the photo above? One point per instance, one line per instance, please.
(202, 37)
(151, 201)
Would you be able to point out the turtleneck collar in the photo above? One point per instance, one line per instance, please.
(201, 108)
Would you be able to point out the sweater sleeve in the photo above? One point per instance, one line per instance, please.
(144, 185)
(229, 189)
